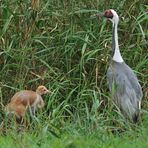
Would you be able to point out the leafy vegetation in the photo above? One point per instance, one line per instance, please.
(55, 43)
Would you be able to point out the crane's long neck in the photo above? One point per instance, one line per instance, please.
(116, 56)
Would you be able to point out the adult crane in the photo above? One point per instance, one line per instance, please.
(123, 83)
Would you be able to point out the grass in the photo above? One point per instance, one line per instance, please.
(55, 43)
(96, 139)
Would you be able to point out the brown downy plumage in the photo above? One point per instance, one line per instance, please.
(24, 99)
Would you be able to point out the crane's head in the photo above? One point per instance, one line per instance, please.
(42, 90)
(111, 15)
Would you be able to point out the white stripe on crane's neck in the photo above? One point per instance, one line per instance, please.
(116, 56)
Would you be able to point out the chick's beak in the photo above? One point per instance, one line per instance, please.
(47, 91)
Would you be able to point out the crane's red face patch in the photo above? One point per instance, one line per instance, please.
(108, 14)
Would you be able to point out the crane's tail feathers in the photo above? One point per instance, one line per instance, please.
(136, 118)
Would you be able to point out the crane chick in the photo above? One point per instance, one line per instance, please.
(24, 99)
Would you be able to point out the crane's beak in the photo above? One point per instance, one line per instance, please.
(97, 15)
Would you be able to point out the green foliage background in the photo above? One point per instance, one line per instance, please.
(55, 43)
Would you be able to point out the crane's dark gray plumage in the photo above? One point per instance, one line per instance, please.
(126, 91)
(122, 81)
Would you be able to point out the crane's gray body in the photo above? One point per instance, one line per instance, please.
(125, 88)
